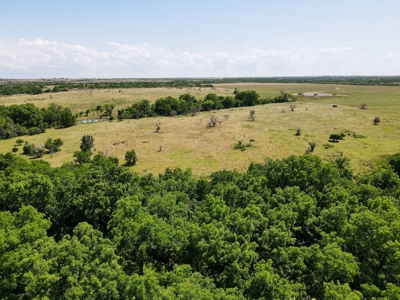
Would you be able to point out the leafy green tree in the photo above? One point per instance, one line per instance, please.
(337, 291)
(67, 119)
(163, 106)
(266, 284)
(53, 145)
(394, 161)
(82, 157)
(247, 98)
(87, 143)
(130, 158)
(229, 102)
(377, 120)
(335, 137)
(108, 109)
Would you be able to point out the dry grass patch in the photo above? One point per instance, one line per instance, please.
(187, 142)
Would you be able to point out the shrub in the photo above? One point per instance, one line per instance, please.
(34, 130)
(298, 131)
(213, 121)
(82, 157)
(252, 115)
(312, 146)
(376, 120)
(27, 149)
(32, 150)
(87, 143)
(158, 127)
(53, 145)
(240, 145)
(130, 158)
(19, 142)
(335, 137)
(15, 149)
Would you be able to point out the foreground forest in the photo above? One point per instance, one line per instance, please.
(296, 228)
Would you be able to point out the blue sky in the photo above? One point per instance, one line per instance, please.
(217, 38)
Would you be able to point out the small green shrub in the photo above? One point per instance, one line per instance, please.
(130, 158)
(335, 137)
(240, 145)
(328, 146)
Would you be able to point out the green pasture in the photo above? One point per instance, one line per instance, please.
(187, 142)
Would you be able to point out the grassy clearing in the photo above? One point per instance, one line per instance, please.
(187, 143)
(81, 100)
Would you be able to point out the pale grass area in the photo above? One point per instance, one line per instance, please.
(81, 100)
(187, 143)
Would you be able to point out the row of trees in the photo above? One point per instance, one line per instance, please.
(346, 80)
(296, 228)
(34, 88)
(188, 104)
(17, 120)
(21, 88)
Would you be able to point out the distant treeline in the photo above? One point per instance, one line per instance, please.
(346, 80)
(34, 88)
(21, 88)
(188, 104)
(17, 120)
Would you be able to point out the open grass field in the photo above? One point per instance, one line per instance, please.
(81, 100)
(187, 143)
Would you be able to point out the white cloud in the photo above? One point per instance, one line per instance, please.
(42, 58)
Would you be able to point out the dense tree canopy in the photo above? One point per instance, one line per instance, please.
(292, 228)
(16, 120)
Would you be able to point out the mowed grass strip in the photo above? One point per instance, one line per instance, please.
(187, 142)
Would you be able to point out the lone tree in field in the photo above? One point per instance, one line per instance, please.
(87, 143)
(252, 115)
(312, 146)
(335, 137)
(213, 121)
(298, 131)
(292, 106)
(363, 106)
(53, 145)
(376, 120)
(158, 127)
(130, 158)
